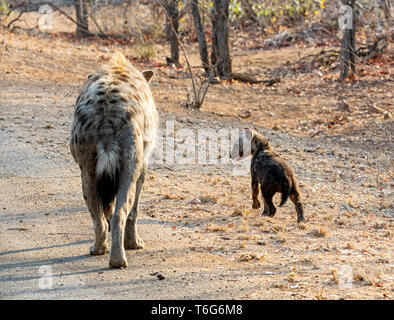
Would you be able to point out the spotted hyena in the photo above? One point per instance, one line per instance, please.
(113, 134)
(269, 172)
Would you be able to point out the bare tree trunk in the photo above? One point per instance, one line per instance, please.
(348, 45)
(214, 56)
(202, 43)
(220, 47)
(81, 11)
(173, 13)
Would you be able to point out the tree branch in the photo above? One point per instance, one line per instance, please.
(183, 50)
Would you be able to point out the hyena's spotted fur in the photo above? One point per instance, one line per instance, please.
(270, 173)
(113, 133)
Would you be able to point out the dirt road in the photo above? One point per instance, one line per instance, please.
(203, 240)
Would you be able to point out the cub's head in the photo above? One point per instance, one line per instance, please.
(249, 141)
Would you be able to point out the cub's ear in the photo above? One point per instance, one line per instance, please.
(148, 74)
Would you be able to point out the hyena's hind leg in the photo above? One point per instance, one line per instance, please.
(132, 240)
(125, 197)
(123, 203)
(109, 212)
(100, 224)
(296, 199)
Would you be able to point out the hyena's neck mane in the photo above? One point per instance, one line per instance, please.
(119, 68)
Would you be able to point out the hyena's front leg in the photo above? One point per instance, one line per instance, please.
(100, 224)
(132, 240)
(255, 192)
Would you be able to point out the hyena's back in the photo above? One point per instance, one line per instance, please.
(114, 116)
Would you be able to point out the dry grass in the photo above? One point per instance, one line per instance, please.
(259, 222)
(340, 222)
(366, 279)
(247, 237)
(173, 196)
(303, 226)
(320, 232)
(334, 276)
(291, 277)
(243, 226)
(217, 228)
(209, 198)
(280, 238)
(145, 51)
(242, 212)
(380, 225)
(350, 245)
(388, 234)
(277, 228)
(246, 257)
(319, 294)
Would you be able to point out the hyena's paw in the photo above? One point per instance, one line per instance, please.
(97, 250)
(134, 243)
(118, 261)
(256, 204)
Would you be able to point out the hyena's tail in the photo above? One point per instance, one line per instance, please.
(286, 189)
(107, 169)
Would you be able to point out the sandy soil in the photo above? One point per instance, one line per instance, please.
(200, 231)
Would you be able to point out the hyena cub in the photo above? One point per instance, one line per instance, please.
(113, 133)
(269, 171)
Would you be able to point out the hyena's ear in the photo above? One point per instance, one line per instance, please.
(148, 74)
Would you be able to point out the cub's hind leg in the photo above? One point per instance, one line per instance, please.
(266, 210)
(296, 199)
(268, 204)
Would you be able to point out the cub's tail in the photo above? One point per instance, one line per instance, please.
(286, 188)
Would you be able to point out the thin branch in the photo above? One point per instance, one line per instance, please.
(16, 19)
(390, 138)
(95, 22)
(204, 92)
(53, 6)
(182, 47)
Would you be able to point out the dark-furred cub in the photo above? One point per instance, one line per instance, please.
(269, 172)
